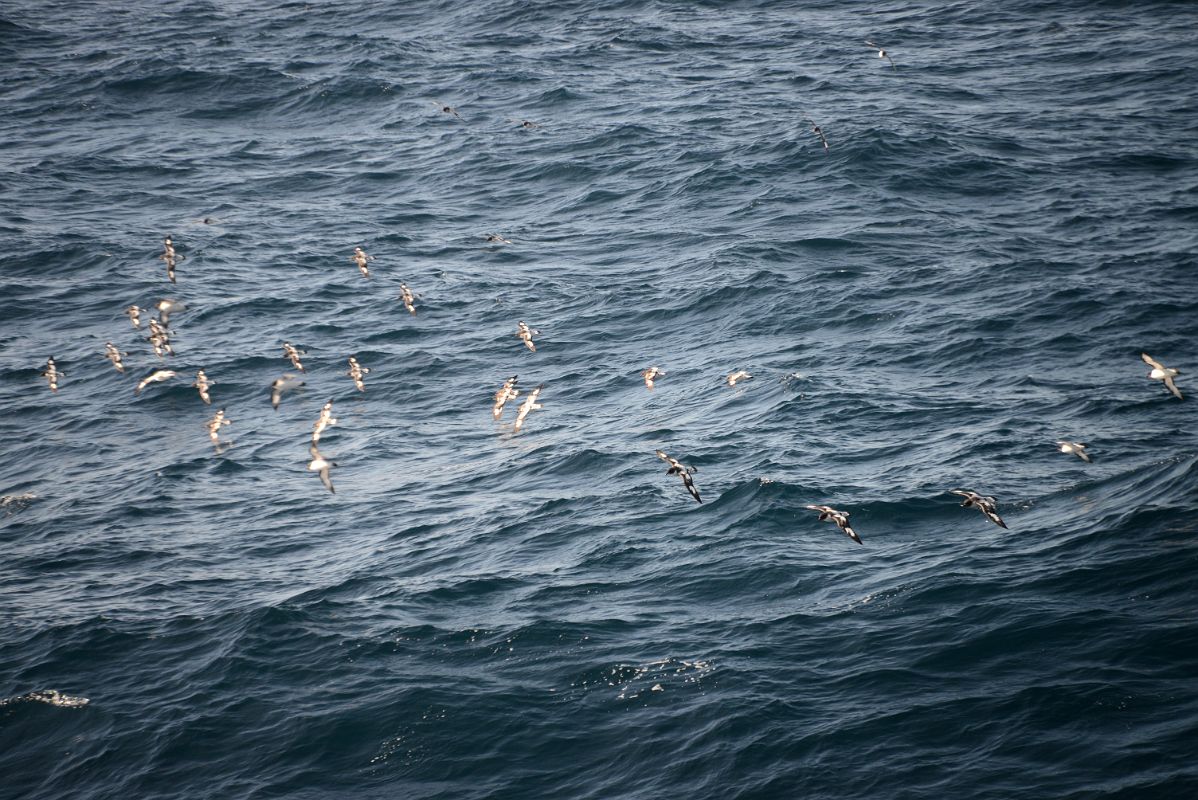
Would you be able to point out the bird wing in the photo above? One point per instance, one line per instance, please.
(690, 487)
(324, 478)
(994, 517)
(1152, 362)
(852, 534)
(1173, 387)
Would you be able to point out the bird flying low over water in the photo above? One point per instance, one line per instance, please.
(202, 383)
(134, 315)
(157, 376)
(1076, 448)
(293, 355)
(506, 392)
(495, 238)
(284, 384)
(1162, 373)
(839, 518)
(526, 333)
(166, 307)
(360, 258)
(818, 131)
(215, 424)
(319, 464)
(523, 123)
(676, 468)
(409, 299)
(739, 375)
(651, 374)
(323, 421)
(170, 257)
(987, 505)
(356, 371)
(881, 52)
(113, 354)
(530, 404)
(51, 374)
(448, 109)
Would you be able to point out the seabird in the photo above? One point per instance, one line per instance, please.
(881, 53)
(984, 504)
(156, 376)
(523, 123)
(293, 355)
(526, 333)
(447, 109)
(507, 392)
(495, 238)
(170, 257)
(321, 465)
(739, 375)
(323, 421)
(202, 383)
(1162, 373)
(114, 355)
(168, 307)
(409, 299)
(649, 375)
(530, 404)
(280, 385)
(214, 425)
(160, 338)
(676, 468)
(356, 371)
(1076, 448)
(838, 518)
(134, 315)
(360, 258)
(52, 374)
(818, 131)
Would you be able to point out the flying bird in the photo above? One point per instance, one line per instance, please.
(325, 420)
(739, 375)
(881, 52)
(506, 392)
(448, 109)
(202, 383)
(526, 333)
(987, 505)
(1076, 448)
(293, 355)
(113, 354)
(52, 374)
(360, 258)
(651, 374)
(356, 371)
(284, 384)
(839, 518)
(1162, 373)
(157, 376)
(530, 404)
(321, 465)
(677, 468)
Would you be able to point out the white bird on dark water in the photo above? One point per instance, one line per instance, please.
(293, 355)
(650, 375)
(319, 464)
(495, 238)
(51, 374)
(530, 404)
(448, 109)
(203, 384)
(134, 315)
(684, 472)
(214, 426)
(987, 505)
(408, 298)
(323, 421)
(114, 354)
(356, 371)
(736, 377)
(157, 376)
(839, 518)
(1076, 448)
(526, 333)
(284, 384)
(881, 52)
(360, 258)
(506, 392)
(1162, 373)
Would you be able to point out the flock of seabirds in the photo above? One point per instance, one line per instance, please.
(160, 333)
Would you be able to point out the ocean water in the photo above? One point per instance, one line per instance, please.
(1003, 221)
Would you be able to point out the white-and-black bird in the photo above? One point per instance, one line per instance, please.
(506, 392)
(987, 505)
(166, 307)
(448, 109)
(881, 52)
(738, 376)
(157, 376)
(676, 468)
(202, 383)
(1162, 373)
(818, 131)
(530, 404)
(526, 333)
(356, 371)
(1076, 448)
(293, 355)
(134, 315)
(408, 298)
(323, 421)
(523, 123)
(51, 374)
(214, 426)
(495, 238)
(360, 258)
(319, 464)
(283, 384)
(838, 518)
(114, 354)
(651, 374)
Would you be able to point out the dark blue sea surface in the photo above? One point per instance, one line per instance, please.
(1004, 220)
